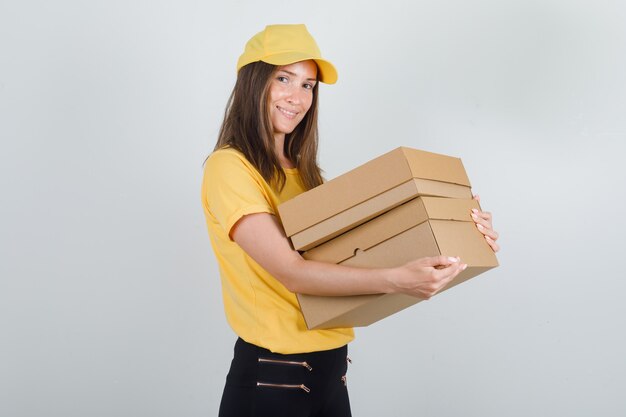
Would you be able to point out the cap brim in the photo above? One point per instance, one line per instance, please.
(326, 71)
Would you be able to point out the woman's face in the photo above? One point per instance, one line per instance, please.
(291, 95)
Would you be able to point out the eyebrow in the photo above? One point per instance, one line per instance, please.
(295, 75)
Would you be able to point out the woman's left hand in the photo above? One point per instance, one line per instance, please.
(483, 221)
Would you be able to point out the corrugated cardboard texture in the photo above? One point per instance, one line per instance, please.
(424, 226)
(369, 190)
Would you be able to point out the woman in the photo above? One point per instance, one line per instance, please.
(266, 154)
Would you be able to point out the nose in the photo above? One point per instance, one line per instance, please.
(294, 96)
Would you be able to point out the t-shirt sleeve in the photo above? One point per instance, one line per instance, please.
(233, 189)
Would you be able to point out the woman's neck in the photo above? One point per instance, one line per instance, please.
(279, 151)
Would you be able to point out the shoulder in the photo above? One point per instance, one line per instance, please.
(230, 165)
(228, 159)
(226, 156)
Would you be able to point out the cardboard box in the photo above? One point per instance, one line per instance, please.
(424, 226)
(369, 190)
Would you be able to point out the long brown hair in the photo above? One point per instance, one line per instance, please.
(247, 128)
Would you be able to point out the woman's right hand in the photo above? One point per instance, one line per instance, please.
(425, 277)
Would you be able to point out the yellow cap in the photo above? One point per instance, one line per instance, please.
(284, 45)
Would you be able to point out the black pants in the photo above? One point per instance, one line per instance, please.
(265, 384)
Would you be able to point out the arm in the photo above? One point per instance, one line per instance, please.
(262, 238)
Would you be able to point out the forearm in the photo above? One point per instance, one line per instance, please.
(262, 238)
(319, 278)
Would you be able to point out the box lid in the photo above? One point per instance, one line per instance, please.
(367, 181)
(392, 223)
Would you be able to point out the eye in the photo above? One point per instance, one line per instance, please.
(308, 86)
(282, 79)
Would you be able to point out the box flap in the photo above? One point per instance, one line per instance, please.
(463, 239)
(449, 208)
(441, 189)
(435, 166)
(363, 238)
(368, 209)
(413, 243)
(390, 224)
(369, 180)
(356, 215)
(344, 191)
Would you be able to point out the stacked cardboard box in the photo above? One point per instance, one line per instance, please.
(401, 206)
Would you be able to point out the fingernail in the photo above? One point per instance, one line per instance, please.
(463, 267)
(475, 211)
(488, 238)
(451, 259)
(474, 216)
(480, 226)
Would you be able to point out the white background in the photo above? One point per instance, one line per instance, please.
(109, 296)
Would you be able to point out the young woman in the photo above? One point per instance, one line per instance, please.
(266, 154)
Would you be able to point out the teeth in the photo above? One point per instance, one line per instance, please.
(287, 112)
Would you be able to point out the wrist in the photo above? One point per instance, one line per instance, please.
(388, 281)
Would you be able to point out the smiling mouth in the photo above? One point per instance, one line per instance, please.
(287, 113)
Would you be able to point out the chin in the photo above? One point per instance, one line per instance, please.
(284, 131)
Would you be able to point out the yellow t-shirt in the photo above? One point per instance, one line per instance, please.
(258, 307)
